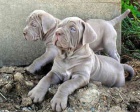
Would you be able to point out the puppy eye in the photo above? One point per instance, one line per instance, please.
(73, 29)
(32, 24)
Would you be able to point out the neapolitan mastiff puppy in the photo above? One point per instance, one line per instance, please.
(76, 64)
(41, 25)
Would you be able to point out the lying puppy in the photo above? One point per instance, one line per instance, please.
(76, 64)
(41, 25)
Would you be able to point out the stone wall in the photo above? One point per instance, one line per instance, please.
(14, 50)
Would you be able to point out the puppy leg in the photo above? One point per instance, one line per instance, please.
(47, 57)
(59, 101)
(120, 81)
(39, 91)
(113, 53)
(111, 49)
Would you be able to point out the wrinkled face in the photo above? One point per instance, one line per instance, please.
(32, 31)
(69, 34)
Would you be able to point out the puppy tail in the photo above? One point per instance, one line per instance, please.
(130, 70)
(119, 18)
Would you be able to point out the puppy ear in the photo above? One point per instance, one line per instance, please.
(48, 22)
(89, 35)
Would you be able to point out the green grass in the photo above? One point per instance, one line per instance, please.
(131, 30)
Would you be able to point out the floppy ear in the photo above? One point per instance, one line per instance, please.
(48, 22)
(89, 35)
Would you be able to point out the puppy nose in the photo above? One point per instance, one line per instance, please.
(58, 33)
(24, 33)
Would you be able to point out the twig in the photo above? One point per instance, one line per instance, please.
(3, 96)
(121, 97)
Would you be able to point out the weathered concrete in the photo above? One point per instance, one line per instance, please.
(14, 50)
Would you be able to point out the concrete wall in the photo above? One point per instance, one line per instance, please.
(14, 50)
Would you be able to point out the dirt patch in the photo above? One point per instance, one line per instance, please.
(15, 85)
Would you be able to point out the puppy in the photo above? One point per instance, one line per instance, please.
(41, 25)
(106, 35)
(76, 64)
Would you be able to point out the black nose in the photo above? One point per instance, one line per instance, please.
(24, 33)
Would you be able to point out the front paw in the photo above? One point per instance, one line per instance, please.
(37, 94)
(30, 70)
(59, 103)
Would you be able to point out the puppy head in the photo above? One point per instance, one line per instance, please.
(38, 24)
(72, 33)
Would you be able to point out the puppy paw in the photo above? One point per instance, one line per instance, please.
(30, 70)
(59, 103)
(37, 94)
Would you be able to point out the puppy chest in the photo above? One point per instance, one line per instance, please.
(63, 68)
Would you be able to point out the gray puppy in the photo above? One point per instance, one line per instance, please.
(106, 35)
(41, 25)
(76, 64)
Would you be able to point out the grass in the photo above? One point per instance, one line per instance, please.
(131, 30)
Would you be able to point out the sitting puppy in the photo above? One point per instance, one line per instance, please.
(42, 25)
(76, 64)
